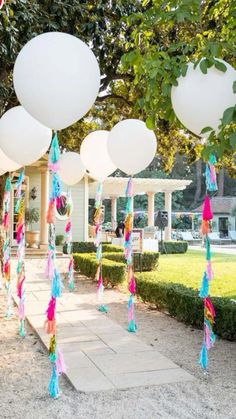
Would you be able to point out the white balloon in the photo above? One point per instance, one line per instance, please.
(200, 100)
(2, 172)
(95, 157)
(7, 164)
(56, 78)
(71, 168)
(131, 145)
(23, 138)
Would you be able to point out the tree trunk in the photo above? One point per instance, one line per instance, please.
(221, 178)
(198, 180)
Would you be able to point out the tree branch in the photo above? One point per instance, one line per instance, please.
(113, 96)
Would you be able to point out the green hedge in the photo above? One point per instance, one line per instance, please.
(107, 247)
(113, 272)
(82, 247)
(185, 305)
(149, 260)
(173, 247)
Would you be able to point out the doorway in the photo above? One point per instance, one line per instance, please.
(223, 227)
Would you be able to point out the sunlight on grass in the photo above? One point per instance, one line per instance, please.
(188, 268)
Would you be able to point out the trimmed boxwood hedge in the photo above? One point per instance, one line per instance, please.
(113, 272)
(89, 247)
(185, 305)
(149, 260)
(173, 247)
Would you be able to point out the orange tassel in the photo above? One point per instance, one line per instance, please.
(50, 212)
(205, 227)
(50, 326)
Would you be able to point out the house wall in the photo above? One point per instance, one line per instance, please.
(79, 197)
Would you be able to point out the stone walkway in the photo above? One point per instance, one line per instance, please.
(100, 355)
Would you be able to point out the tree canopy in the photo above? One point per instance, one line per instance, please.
(142, 48)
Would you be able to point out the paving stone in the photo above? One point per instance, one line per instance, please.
(124, 342)
(132, 362)
(150, 378)
(76, 360)
(91, 346)
(89, 379)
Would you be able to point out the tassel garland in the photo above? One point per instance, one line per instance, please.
(52, 273)
(70, 270)
(209, 311)
(7, 247)
(129, 255)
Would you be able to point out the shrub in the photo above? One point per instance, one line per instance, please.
(82, 247)
(113, 272)
(59, 239)
(173, 247)
(107, 247)
(149, 260)
(185, 305)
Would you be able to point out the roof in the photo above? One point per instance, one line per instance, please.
(221, 205)
(116, 186)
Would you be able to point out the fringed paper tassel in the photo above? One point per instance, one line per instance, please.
(49, 271)
(211, 182)
(50, 323)
(56, 284)
(70, 270)
(7, 247)
(128, 252)
(60, 363)
(53, 386)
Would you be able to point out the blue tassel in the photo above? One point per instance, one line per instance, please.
(56, 284)
(99, 253)
(8, 184)
(53, 387)
(203, 360)
(52, 357)
(56, 186)
(203, 293)
(103, 309)
(54, 150)
(22, 329)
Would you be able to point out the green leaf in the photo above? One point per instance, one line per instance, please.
(206, 129)
(228, 116)
(220, 66)
(232, 140)
(234, 86)
(203, 66)
(150, 122)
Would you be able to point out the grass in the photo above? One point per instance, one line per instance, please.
(188, 268)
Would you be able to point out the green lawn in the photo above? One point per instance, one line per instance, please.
(187, 269)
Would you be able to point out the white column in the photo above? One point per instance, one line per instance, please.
(151, 208)
(44, 205)
(113, 213)
(168, 208)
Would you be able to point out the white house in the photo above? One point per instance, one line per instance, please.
(37, 190)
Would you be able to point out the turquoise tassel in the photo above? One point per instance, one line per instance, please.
(54, 150)
(132, 326)
(103, 309)
(203, 360)
(56, 186)
(203, 293)
(53, 357)
(208, 249)
(53, 387)
(71, 286)
(8, 184)
(129, 207)
(22, 329)
(56, 284)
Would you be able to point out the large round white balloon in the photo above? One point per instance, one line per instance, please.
(2, 172)
(22, 138)
(56, 78)
(132, 146)
(7, 164)
(200, 100)
(95, 157)
(71, 168)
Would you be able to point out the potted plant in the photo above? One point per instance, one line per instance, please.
(32, 236)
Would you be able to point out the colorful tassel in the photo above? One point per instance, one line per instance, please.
(206, 212)
(6, 247)
(203, 359)
(203, 293)
(53, 387)
(60, 363)
(56, 284)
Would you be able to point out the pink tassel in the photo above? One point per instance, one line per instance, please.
(5, 220)
(21, 310)
(60, 363)
(132, 284)
(54, 167)
(99, 283)
(51, 309)
(19, 233)
(59, 202)
(68, 227)
(206, 212)
(49, 271)
(212, 173)
(209, 271)
(207, 338)
(20, 288)
(50, 212)
(130, 189)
